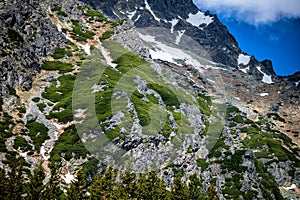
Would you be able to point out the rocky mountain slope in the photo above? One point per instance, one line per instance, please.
(157, 86)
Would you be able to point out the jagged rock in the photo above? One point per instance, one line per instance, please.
(280, 172)
(274, 107)
(31, 37)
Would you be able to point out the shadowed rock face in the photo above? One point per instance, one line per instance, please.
(26, 36)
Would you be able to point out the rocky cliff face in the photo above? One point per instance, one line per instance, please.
(170, 89)
(184, 18)
(26, 37)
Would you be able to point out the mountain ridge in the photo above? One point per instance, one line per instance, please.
(160, 101)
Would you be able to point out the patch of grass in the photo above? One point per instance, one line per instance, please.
(167, 128)
(206, 98)
(230, 110)
(60, 53)
(21, 109)
(56, 8)
(255, 141)
(64, 98)
(5, 126)
(36, 99)
(232, 192)
(202, 163)
(286, 140)
(216, 150)
(203, 106)
(57, 65)
(38, 133)
(79, 34)
(238, 119)
(65, 89)
(168, 97)
(68, 145)
(214, 131)
(234, 162)
(22, 144)
(262, 154)
(275, 116)
(106, 35)
(90, 167)
(114, 133)
(250, 130)
(96, 15)
(41, 106)
(62, 13)
(142, 108)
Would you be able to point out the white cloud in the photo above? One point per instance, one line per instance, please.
(255, 12)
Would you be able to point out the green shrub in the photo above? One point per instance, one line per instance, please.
(21, 109)
(238, 119)
(250, 130)
(106, 35)
(70, 145)
(36, 99)
(41, 106)
(14, 35)
(62, 13)
(56, 8)
(57, 65)
(60, 53)
(21, 143)
(142, 108)
(12, 90)
(167, 128)
(90, 168)
(203, 106)
(38, 133)
(79, 35)
(231, 110)
(168, 97)
(95, 15)
(275, 116)
(2, 145)
(202, 163)
(114, 133)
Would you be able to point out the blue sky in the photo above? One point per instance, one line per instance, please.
(267, 29)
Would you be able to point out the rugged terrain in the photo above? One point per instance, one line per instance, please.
(145, 86)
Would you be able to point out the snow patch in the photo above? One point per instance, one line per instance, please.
(264, 94)
(297, 83)
(138, 17)
(237, 98)
(173, 22)
(170, 54)
(131, 14)
(292, 187)
(243, 59)
(266, 78)
(179, 36)
(116, 14)
(150, 10)
(58, 27)
(68, 178)
(199, 18)
(86, 48)
(43, 152)
(107, 57)
(245, 70)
